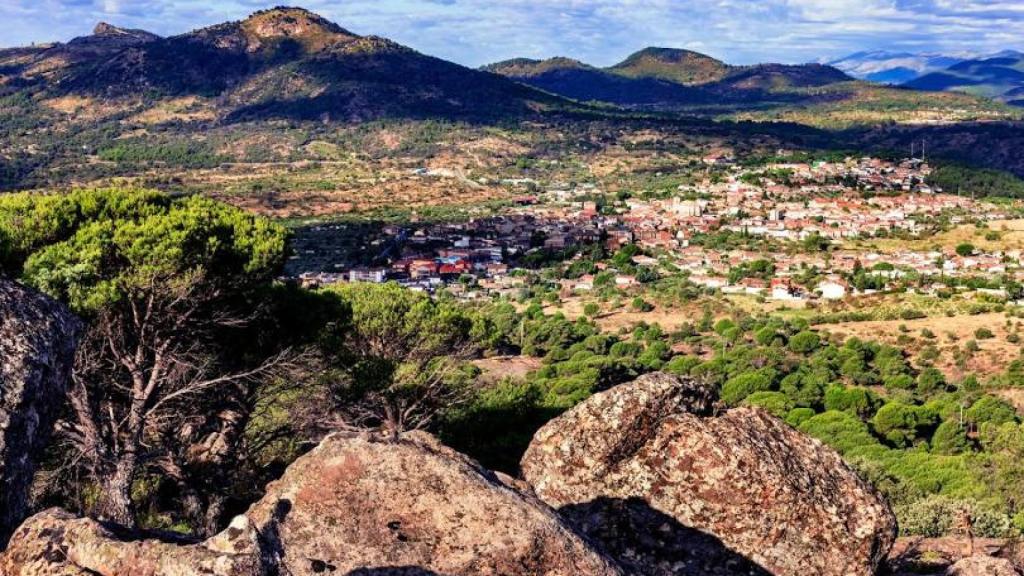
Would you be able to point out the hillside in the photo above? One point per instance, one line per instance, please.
(673, 65)
(285, 62)
(680, 81)
(999, 77)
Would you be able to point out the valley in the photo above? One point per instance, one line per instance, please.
(280, 297)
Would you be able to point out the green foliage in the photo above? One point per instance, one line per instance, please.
(977, 182)
(901, 424)
(90, 247)
(805, 342)
(936, 516)
(855, 400)
(841, 430)
(776, 403)
(950, 438)
(738, 388)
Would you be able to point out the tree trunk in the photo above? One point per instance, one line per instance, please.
(115, 501)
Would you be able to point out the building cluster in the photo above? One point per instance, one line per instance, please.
(782, 202)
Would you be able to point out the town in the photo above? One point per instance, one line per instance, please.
(807, 211)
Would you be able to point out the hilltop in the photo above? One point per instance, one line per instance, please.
(674, 65)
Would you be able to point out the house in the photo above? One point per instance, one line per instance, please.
(833, 288)
(374, 275)
(782, 289)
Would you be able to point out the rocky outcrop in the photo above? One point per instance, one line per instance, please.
(983, 566)
(37, 344)
(669, 487)
(354, 505)
(361, 503)
(56, 543)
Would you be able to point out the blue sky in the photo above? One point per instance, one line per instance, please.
(475, 32)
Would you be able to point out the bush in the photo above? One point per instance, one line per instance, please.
(930, 380)
(840, 430)
(983, 334)
(950, 438)
(856, 401)
(681, 365)
(798, 416)
(737, 389)
(936, 516)
(804, 342)
(775, 403)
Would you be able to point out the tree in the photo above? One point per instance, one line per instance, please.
(164, 283)
(402, 362)
(804, 342)
(965, 249)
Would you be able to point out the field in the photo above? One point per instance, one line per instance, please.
(950, 335)
(999, 235)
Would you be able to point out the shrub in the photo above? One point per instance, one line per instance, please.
(804, 342)
(983, 334)
(936, 516)
(681, 365)
(775, 403)
(950, 438)
(840, 430)
(798, 416)
(856, 401)
(737, 388)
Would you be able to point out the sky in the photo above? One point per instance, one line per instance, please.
(600, 32)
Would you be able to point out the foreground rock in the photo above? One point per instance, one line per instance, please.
(54, 543)
(352, 506)
(37, 345)
(983, 566)
(669, 488)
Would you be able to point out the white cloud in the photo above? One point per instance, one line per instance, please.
(474, 32)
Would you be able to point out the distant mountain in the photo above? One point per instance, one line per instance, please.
(666, 78)
(285, 62)
(582, 82)
(672, 65)
(999, 77)
(894, 68)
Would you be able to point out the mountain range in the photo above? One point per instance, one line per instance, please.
(667, 78)
(285, 62)
(1000, 77)
(886, 67)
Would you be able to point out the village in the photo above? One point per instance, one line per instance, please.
(808, 211)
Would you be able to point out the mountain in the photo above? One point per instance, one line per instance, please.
(582, 82)
(885, 67)
(667, 78)
(999, 77)
(672, 65)
(285, 62)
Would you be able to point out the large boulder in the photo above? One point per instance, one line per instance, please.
(669, 486)
(368, 504)
(353, 506)
(37, 345)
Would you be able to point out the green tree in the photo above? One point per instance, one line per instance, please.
(401, 363)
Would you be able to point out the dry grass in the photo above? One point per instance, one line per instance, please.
(992, 359)
(1011, 237)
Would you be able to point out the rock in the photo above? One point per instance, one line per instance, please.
(983, 566)
(56, 543)
(37, 346)
(362, 503)
(353, 506)
(667, 487)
